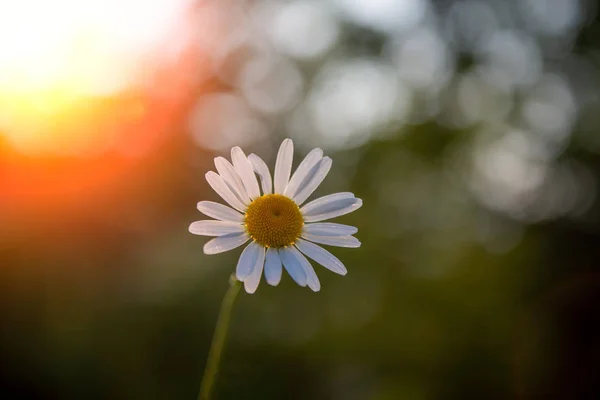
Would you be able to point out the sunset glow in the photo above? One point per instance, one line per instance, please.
(57, 58)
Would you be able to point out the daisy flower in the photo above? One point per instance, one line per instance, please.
(281, 230)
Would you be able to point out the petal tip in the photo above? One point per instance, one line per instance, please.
(208, 251)
(237, 151)
(209, 174)
(240, 278)
(315, 285)
(249, 290)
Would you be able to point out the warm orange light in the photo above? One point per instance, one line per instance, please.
(58, 57)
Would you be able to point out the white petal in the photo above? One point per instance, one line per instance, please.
(215, 228)
(245, 170)
(320, 173)
(293, 265)
(232, 179)
(315, 205)
(339, 241)
(283, 165)
(260, 167)
(247, 261)
(331, 209)
(273, 267)
(225, 243)
(321, 256)
(251, 283)
(311, 276)
(219, 211)
(302, 171)
(218, 184)
(329, 229)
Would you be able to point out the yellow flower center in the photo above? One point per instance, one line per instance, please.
(274, 220)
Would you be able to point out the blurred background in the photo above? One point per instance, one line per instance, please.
(469, 128)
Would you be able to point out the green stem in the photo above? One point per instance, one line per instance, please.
(218, 341)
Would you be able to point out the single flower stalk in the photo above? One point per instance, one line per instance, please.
(282, 230)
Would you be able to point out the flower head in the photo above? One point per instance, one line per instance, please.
(280, 229)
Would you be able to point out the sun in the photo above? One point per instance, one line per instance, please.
(82, 45)
(57, 54)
